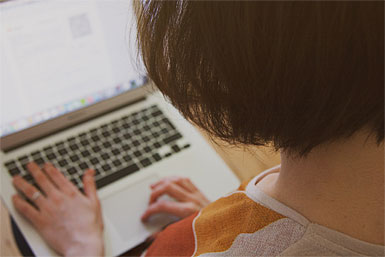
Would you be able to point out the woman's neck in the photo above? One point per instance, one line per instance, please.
(339, 185)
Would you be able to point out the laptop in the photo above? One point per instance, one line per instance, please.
(74, 93)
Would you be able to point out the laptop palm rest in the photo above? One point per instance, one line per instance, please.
(122, 212)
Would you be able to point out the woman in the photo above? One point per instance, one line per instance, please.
(305, 76)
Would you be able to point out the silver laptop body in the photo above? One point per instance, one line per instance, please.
(59, 51)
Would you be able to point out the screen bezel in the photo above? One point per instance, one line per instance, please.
(51, 126)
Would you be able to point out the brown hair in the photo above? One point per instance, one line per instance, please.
(294, 73)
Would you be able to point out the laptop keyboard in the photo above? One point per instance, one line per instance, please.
(115, 149)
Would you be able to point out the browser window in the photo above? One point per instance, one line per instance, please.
(61, 57)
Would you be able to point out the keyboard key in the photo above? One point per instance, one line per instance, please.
(15, 171)
(96, 148)
(147, 149)
(63, 151)
(74, 181)
(157, 145)
(127, 158)
(36, 154)
(125, 147)
(116, 163)
(156, 113)
(186, 146)
(127, 135)
(63, 162)
(85, 153)
(116, 130)
(145, 162)
(28, 177)
(157, 157)
(23, 159)
(106, 167)
(165, 120)
(117, 140)
(115, 151)
(137, 153)
(94, 161)
(175, 148)
(48, 149)
(146, 139)
(60, 144)
(107, 144)
(106, 133)
(136, 143)
(167, 155)
(72, 171)
(39, 161)
(164, 131)
(84, 142)
(10, 164)
(74, 147)
(116, 175)
(172, 138)
(51, 156)
(95, 138)
(71, 139)
(105, 156)
(83, 166)
(74, 158)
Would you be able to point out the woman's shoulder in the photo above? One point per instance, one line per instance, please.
(235, 224)
(249, 222)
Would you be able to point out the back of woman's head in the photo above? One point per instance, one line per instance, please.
(294, 73)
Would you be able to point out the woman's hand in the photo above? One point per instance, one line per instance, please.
(188, 198)
(69, 221)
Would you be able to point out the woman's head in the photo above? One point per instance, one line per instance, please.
(295, 74)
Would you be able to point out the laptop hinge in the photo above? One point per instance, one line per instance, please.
(96, 116)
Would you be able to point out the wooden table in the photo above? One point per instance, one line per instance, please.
(245, 163)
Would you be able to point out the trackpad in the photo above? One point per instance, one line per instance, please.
(124, 208)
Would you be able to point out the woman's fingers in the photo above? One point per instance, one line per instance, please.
(41, 179)
(181, 181)
(27, 210)
(170, 207)
(163, 180)
(29, 191)
(90, 186)
(171, 189)
(58, 178)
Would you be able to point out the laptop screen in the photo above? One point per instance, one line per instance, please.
(60, 56)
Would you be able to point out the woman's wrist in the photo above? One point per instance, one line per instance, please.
(92, 248)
